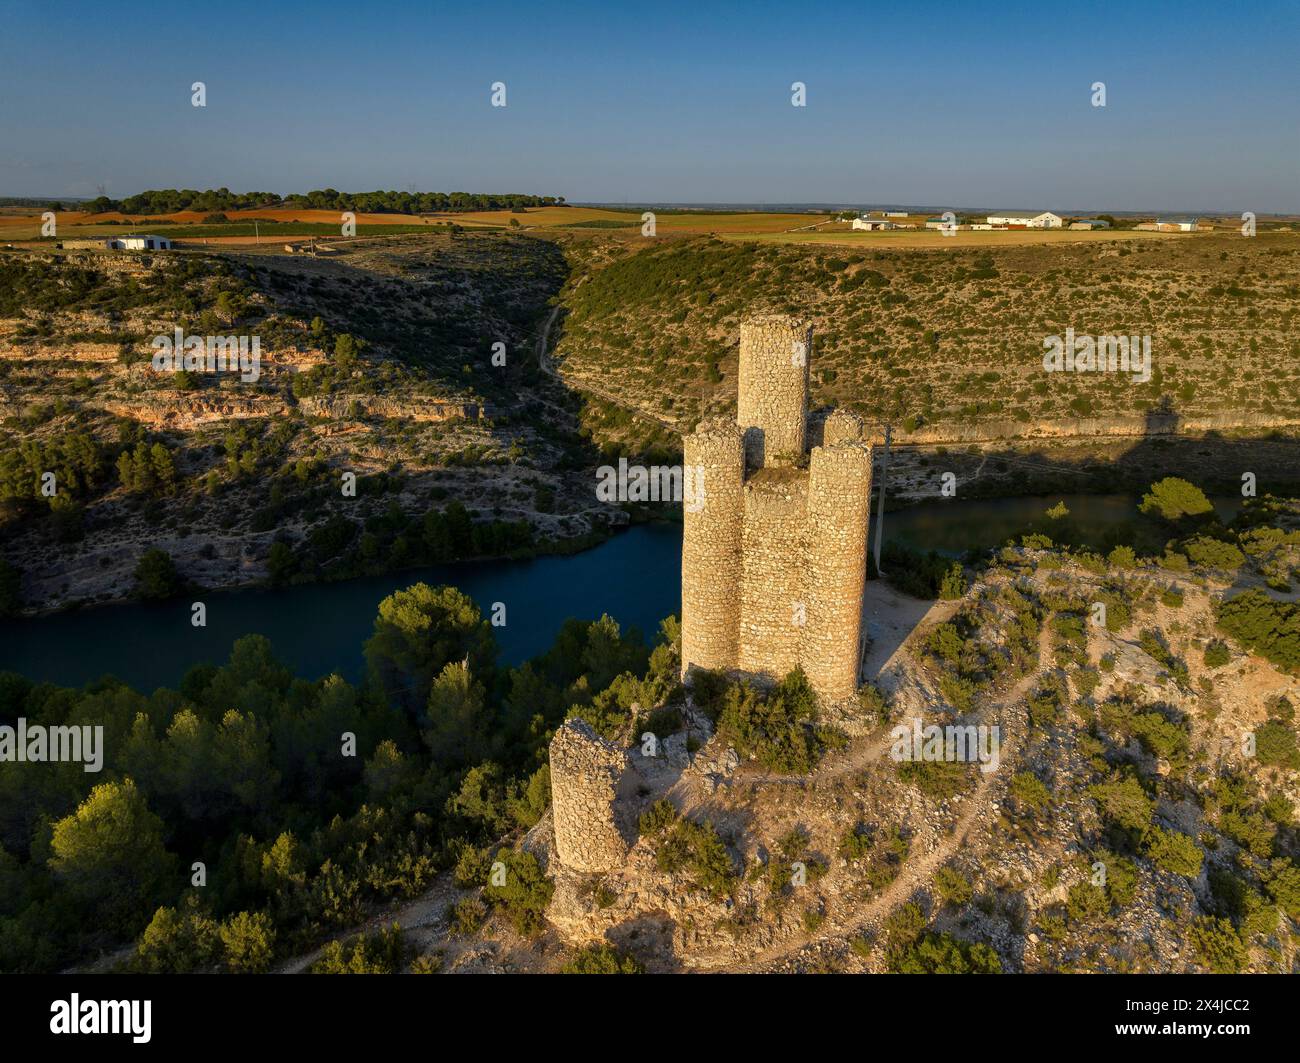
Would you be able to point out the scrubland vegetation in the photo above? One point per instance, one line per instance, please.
(948, 337)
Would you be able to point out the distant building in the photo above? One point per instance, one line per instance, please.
(1179, 225)
(84, 245)
(939, 223)
(873, 223)
(895, 214)
(1090, 223)
(1045, 220)
(139, 243)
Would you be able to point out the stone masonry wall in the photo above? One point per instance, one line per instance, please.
(772, 400)
(772, 606)
(838, 502)
(711, 527)
(840, 426)
(587, 773)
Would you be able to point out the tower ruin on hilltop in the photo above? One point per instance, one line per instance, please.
(774, 545)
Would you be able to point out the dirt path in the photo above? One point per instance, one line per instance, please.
(421, 917)
(545, 364)
(917, 871)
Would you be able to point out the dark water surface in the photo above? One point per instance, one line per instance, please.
(319, 628)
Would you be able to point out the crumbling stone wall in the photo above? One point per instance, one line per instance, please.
(588, 799)
(774, 562)
(842, 426)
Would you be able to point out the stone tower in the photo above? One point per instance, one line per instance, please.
(588, 778)
(774, 545)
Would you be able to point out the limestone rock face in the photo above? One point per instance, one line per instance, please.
(588, 779)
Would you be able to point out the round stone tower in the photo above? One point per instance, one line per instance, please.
(772, 401)
(842, 426)
(839, 494)
(587, 777)
(713, 479)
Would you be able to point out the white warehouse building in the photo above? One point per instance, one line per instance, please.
(1045, 220)
(139, 243)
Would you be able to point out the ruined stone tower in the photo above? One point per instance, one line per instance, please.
(774, 547)
(589, 778)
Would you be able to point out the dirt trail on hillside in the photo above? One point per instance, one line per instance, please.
(421, 917)
(547, 366)
(917, 871)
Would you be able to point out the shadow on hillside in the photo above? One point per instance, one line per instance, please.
(1114, 465)
(1214, 462)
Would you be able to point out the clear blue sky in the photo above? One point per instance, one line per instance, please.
(957, 104)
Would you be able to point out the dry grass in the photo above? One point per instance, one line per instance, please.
(935, 239)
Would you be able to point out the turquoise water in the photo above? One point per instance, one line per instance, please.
(319, 628)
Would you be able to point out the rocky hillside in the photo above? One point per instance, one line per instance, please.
(377, 361)
(1137, 814)
(948, 344)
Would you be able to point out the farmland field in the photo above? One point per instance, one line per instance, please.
(936, 239)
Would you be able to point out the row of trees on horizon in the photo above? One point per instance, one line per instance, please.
(171, 200)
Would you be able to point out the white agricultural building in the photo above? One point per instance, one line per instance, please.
(1046, 220)
(1179, 225)
(139, 243)
(873, 223)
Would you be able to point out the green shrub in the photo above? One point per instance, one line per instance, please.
(1217, 654)
(1214, 553)
(1217, 945)
(953, 583)
(1029, 791)
(1122, 557)
(1173, 499)
(383, 952)
(155, 575)
(696, 849)
(1124, 802)
(602, 959)
(248, 941)
(1086, 902)
(657, 818)
(953, 888)
(1283, 884)
(1174, 851)
(944, 954)
(466, 916)
(177, 942)
(941, 779)
(1275, 745)
(776, 729)
(872, 702)
(1270, 628)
